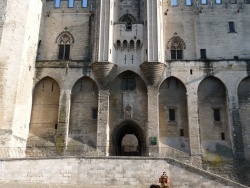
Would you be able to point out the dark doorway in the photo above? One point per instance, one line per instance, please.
(128, 139)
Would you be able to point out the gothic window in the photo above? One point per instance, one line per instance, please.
(218, 1)
(128, 83)
(64, 47)
(128, 19)
(176, 50)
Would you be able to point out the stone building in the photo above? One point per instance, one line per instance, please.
(128, 77)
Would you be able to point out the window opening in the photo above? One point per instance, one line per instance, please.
(84, 3)
(57, 3)
(174, 3)
(188, 2)
(218, 1)
(216, 114)
(128, 83)
(203, 2)
(71, 3)
(181, 132)
(94, 113)
(176, 50)
(222, 136)
(247, 1)
(64, 47)
(171, 114)
(231, 27)
(191, 71)
(203, 53)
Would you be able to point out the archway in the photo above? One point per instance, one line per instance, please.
(213, 118)
(134, 146)
(173, 115)
(83, 114)
(44, 116)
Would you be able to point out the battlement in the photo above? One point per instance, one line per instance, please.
(69, 6)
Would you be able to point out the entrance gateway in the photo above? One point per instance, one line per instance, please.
(128, 139)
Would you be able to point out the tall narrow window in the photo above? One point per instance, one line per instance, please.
(94, 113)
(57, 3)
(84, 3)
(203, 53)
(231, 27)
(64, 47)
(171, 114)
(223, 136)
(203, 2)
(128, 83)
(188, 2)
(174, 3)
(216, 114)
(176, 50)
(71, 3)
(181, 132)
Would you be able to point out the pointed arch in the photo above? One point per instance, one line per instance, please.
(44, 116)
(84, 112)
(213, 117)
(173, 115)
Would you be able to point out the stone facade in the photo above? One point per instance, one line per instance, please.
(123, 77)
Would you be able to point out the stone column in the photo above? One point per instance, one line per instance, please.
(103, 123)
(63, 119)
(153, 121)
(193, 122)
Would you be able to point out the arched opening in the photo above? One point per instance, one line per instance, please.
(44, 116)
(132, 45)
(118, 43)
(83, 114)
(138, 44)
(127, 102)
(128, 139)
(213, 118)
(244, 111)
(173, 115)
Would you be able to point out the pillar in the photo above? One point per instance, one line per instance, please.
(103, 123)
(63, 119)
(193, 122)
(153, 120)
